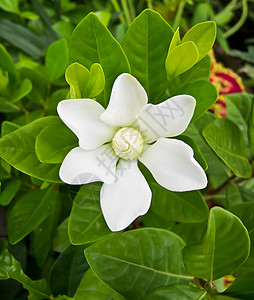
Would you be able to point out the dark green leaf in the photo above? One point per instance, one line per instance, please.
(9, 192)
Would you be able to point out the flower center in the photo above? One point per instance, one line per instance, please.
(127, 143)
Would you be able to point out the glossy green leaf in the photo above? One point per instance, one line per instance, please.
(11, 268)
(91, 288)
(24, 89)
(190, 232)
(11, 6)
(200, 71)
(8, 127)
(203, 35)
(9, 192)
(242, 287)
(68, 271)
(226, 139)
(204, 92)
(7, 65)
(181, 59)
(187, 207)
(244, 211)
(176, 292)
(86, 222)
(44, 233)
(28, 212)
(103, 49)
(154, 256)
(61, 240)
(104, 16)
(224, 248)
(18, 149)
(175, 40)
(251, 129)
(146, 44)
(56, 59)
(54, 142)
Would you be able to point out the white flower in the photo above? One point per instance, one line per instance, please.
(111, 141)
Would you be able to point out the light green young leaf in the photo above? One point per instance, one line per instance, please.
(146, 44)
(86, 222)
(147, 253)
(224, 248)
(96, 82)
(91, 288)
(104, 16)
(226, 139)
(181, 59)
(56, 59)
(176, 292)
(203, 35)
(28, 212)
(18, 149)
(68, 270)
(176, 40)
(54, 142)
(11, 268)
(103, 49)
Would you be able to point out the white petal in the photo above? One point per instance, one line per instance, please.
(82, 116)
(127, 198)
(167, 119)
(81, 166)
(127, 98)
(173, 166)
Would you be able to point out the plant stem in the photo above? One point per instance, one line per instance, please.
(179, 14)
(117, 8)
(150, 4)
(241, 21)
(126, 11)
(132, 10)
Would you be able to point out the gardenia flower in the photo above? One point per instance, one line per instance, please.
(112, 140)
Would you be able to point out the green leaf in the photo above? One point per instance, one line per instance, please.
(24, 89)
(181, 59)
(61, 240)
(9, 192)
(96, 82)
(11, 268)
(18, 149)
(224, 248)
(77, 77)
(68, 271)
(176, 292)
(7, 65)
(205, 94)
(226, 139)
(175, 40)
(56, 59)
(135, 262)
(200, 71)
(203, 35)
(91, 288)
(251, 129)
(86, 222)
(7, 107)
(146, 44)
(242, 287)
(186, 207)
(54, 142)
(44, 233)
(11, 6)
(233, 194)
(190, 232)
(244, 211)
(28, 212)
(103, 49)
(8, 127)
(104, 16)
